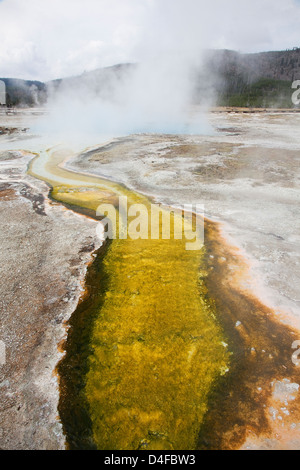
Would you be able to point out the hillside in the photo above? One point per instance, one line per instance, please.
(258, 80)
(249, 80)
(26, 93)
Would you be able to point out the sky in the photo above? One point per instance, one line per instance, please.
(48, 39)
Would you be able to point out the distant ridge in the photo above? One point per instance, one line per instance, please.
(25, 92)
(257, 80)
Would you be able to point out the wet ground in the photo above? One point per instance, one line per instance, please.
(246, 173)
(247, 176)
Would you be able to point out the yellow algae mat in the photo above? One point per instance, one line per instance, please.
(155, 348)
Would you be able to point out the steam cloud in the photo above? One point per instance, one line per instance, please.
(166, 39)
(155, 96)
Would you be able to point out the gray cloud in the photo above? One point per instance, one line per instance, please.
(56, 38)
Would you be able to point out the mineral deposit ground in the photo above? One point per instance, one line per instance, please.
(68, 304)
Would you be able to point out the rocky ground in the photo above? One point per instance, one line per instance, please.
(44, 252)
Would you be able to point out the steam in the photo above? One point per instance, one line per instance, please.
(155, 96)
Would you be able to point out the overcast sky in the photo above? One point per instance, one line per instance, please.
(46, 39)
